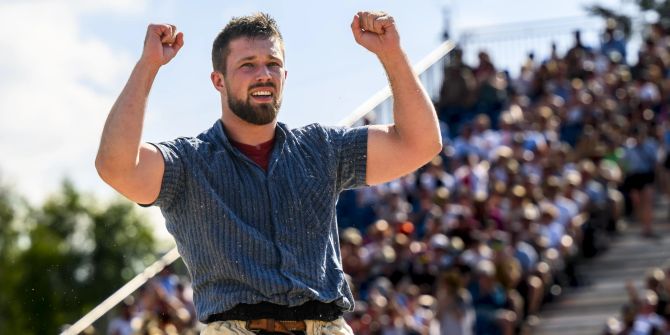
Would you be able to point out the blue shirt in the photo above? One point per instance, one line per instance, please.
(248, 236)
(641, 158)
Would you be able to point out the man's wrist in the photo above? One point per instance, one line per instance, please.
(147, 65)
(391, 57)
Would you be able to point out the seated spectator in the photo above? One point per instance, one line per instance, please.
(122, 323)
(493, 309)
(647, 322)
(455, 312)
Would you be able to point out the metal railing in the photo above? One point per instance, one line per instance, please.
(122, 293)
(379, 107)
(509, 44)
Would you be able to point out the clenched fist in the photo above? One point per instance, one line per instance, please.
(376, 32)
(161, 44)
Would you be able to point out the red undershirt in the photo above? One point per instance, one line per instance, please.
(259, 154)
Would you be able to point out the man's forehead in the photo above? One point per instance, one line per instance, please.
(252, 47)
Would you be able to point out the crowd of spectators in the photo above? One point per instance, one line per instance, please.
(535, 174)
(162, 306)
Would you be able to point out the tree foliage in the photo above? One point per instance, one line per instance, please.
(60, 259)
(624, 21)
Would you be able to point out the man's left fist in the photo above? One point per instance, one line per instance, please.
(376, 32)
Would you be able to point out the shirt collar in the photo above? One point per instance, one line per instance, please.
(281, 132)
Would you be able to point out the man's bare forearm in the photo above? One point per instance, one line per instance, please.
(120, 143)
(413, 112)
(414, 139)
(122, 162)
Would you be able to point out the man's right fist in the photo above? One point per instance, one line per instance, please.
(161, 44)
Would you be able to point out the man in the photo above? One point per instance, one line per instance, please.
(250, 202)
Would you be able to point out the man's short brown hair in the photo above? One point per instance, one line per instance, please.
(258, 25)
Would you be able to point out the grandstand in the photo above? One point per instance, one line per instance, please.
(516, 227)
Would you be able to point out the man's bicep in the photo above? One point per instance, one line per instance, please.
(388, 156)
(151, 167)
(142, 185)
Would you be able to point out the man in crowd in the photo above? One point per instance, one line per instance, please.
(250, 202)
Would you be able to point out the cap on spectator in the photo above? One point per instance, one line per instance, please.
(656, 275)
(503, 152)
(352, 236)
(649, 298)
(485, 268)
(480, 196)
(610, 170)
(528, 156)
(548, 209)
(518, 191)
(500, 187)
(441, 196)
(613, 326)
(573, 178)
(545, 112)
(439, 241)
(587, 166)
(401, 240)
(388, 254)
(554, 183)
(506, 118)
(426, 301)
(457, 245)
(436, 162)
(381, 225)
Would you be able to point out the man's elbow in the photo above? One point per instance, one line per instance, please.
(103, 165)
(424, 152)
(102, 168)
(433, 147)
(437, 145)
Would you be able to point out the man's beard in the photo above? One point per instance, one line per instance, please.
(261, 114)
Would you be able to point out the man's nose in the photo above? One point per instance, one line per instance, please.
(264, 73)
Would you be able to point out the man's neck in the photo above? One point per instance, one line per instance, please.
(247, 133)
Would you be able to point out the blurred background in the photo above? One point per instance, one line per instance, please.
(553, 175)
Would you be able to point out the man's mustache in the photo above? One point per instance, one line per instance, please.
(272, 85)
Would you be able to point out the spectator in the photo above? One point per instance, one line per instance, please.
(639, 163)
(122, 324)
(647, 322)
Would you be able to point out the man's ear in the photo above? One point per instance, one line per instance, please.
(218, 81)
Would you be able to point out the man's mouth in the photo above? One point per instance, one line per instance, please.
(262, 95)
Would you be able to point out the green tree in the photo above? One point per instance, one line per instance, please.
(624, 21)
(660, 7)
(78, 254)
(10, 311)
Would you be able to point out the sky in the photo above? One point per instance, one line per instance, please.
(64, 62)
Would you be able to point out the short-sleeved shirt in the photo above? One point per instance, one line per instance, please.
(247, 235)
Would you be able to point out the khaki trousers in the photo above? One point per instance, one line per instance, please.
(314, 327)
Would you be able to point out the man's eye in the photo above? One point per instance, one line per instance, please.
(274, 64)
(247, 65)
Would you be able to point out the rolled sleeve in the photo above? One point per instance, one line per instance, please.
(352, 153)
